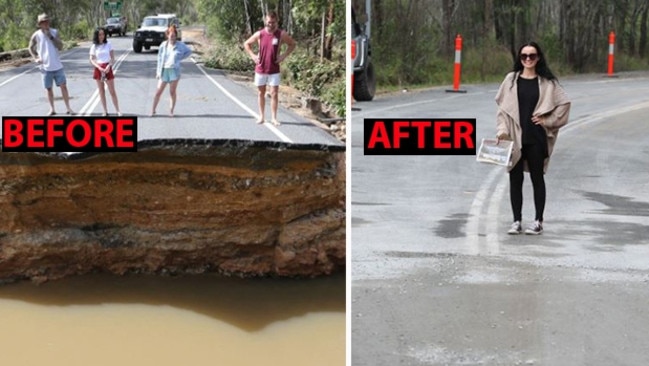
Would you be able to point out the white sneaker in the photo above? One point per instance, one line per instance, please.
(536, 228)
(515, 229)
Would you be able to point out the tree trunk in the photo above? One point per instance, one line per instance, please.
(329, 40)
(632, 29)
(264, 7)
(447, 8)
(621, 10)
(488, 26)
(378, 17)
(288, 15)
(248, 22)
(642, 46)
(323, 31)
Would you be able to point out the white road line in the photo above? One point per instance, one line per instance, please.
(475, 212)
(28, 71)
(409, 104)
(272, 128)
(493, 213)
(86, 106)
(601, 115)
(495, 199)
(17, 76)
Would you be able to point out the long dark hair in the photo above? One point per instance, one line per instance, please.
(542, 68)
(95, 36)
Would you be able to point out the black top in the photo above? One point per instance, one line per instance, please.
(528, 97)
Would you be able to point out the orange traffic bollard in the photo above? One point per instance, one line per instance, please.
(611, 52)
(458, 66)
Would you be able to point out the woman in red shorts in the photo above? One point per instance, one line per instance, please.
(103, 59)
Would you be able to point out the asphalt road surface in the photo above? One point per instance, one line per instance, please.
(209, 105)
(437, 281)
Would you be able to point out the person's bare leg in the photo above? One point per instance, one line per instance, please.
(261, 100)
(102, 95)
(50, 99)
(66, 98)
(274, 101)
(158, 93)
(113, 95)
(172, 94)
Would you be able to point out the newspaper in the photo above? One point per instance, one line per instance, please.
(491, 152)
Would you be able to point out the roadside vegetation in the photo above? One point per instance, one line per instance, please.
(316, 68)
(573, 35)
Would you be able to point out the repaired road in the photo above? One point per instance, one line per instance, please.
(437, 281)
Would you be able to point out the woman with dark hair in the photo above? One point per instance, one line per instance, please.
(170, 53)
(103, 59)
(532, 106)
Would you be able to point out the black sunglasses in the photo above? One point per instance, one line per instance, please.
(531, 56)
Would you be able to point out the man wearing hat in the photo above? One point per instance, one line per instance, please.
(44, 47)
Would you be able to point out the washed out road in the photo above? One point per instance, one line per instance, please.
(209, 105)
(437, 281)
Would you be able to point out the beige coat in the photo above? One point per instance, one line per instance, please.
(553, 105)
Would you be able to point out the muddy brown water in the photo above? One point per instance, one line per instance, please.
(191, 320)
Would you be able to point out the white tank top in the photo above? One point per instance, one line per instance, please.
(47, 51)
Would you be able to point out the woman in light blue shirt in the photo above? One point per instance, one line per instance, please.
(170, 54)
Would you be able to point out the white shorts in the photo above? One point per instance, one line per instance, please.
(266, 79)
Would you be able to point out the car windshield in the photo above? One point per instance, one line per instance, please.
(113, 20)
(152, 22)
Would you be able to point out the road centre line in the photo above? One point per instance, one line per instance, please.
(493, 213)
(475, 212)
(272, 128)
(495, 199)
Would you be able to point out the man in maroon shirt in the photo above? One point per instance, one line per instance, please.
(270, 40)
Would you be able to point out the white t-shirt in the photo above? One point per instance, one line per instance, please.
(47, 51)
(170, 61)
(101, 52)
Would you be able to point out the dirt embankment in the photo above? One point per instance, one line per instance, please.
(238, 208)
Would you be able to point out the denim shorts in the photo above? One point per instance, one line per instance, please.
(50, 76)
(169, 75)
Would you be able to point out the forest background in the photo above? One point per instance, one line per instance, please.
(414, 40)
(316, 68)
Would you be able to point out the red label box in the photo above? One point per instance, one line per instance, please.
(69, 134)
(419, 136)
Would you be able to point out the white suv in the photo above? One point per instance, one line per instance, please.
(153, 30)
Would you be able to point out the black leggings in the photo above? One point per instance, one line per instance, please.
(534, 155)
